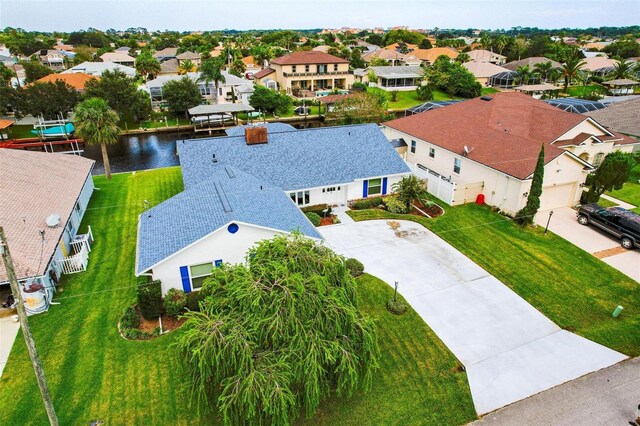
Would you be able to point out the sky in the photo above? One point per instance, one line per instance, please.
(183, 15)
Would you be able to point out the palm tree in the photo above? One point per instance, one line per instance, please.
(410, 189)
(485, 40)
(570, 69)
(187, 66)
(501, 42)
(96, 123)
(543, 69)
(621, 69)
(211, 71)
(524, 74)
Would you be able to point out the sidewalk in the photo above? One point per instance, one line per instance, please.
(619, 203)
(8, 332)
(606, 397)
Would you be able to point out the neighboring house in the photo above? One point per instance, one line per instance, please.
(308, 71)
(531, 62)
(97, 68)
(329, 165)
(243, 93)
(481, 55)
(265, 77)
(329, 101)
(189, 56)
(208, 91)
(429, 56)
(490, 145)
(623, 117)
(53, 59)
(44, 197)
(75, 80)
(323, 48)
(588, 54)
(402, 46)
(7, 60)
(251, 66)
(483, 71)
(393, 78)
(221, 218)
(169, 67)
(394, 58)
(166, 54)
(121, 58)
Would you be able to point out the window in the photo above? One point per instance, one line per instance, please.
(78, 206)
(70, 227)
(413, 147)
(198, 273)
(335, 67)
(306, 68)
(322, 68)
(432, 152)
(331, 189)
(375, 187)
(301, 198)
(457, 163)
(597, 160)
(293, 68)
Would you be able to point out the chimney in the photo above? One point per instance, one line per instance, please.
(255, 135)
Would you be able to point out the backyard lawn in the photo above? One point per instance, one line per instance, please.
(571, 287)
(630, 191)
(408, 99)
(94, 374)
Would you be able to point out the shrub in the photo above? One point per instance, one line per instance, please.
(355, 267)
(174, 301)
(317, 209)
(396, 307)
(314, 218)
(394, 205)
(359, 87)
(130, 319)
(367, 203)
(150, 299)
(193, 300)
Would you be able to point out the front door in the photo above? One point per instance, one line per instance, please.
(332, 195)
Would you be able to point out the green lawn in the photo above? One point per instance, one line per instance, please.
(488, 91)
(408, 99)
(571, 287)
(630, 191)
(94, 374)
(579, 90)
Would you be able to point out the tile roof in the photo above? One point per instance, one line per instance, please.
(332, 99)
(504, 133)
(483, 55)
(297, 159)
(386, 54)
(264, 72)
(401, 71)
(620, 116)
(35, 185)
(308, 57)
(75, 80)
(534, 60)
(430, 55)
(166, 52)
(117, 57)
(597, 62)
(228, 195)
(481, 69)
(188, 55)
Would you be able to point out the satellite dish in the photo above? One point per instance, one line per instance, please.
(53, 220)
(467, 150)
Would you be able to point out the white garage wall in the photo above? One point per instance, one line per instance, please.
(221, 244)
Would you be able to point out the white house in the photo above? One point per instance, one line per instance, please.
(490, 145)
(44, 198)
(97, 68)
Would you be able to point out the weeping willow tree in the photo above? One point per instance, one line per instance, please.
(275, 337)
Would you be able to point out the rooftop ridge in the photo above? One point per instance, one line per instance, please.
(226, 206)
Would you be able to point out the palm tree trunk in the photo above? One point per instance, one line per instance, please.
(105, 161)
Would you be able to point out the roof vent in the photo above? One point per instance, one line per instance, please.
(53, 220)
(255, 135)
(486, 98)
(214, 159)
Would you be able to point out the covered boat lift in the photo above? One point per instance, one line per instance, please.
(537, 91)
(205, 115)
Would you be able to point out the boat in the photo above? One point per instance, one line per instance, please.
(55, 131)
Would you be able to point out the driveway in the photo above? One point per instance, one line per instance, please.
(592, 240)
(8, 332)
(509, 349)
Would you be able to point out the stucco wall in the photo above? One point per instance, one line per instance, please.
(220, 245)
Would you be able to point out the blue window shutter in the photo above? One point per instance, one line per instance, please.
(365, 188)
(184, 274)
(218, 263)
(384, 186)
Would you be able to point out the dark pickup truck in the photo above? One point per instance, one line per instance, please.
(619, 222)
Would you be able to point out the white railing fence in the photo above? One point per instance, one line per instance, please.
(80, 249)
(450, 192)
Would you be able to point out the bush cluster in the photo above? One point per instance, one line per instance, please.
(150, 299)
(394, 205)
(129, 323)
(355, 267)
(193, 300)
(318, 209)
(314, 218)
(396, 307)
(367, 203)
(174, 302)
(130, 318)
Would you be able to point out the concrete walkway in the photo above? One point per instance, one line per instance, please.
(510, 350)
(8, 332)
(606, 397)
(620, 203)
(592, 240)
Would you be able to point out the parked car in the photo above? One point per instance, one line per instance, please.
(211, 119)
(302, 110)
(621, 223)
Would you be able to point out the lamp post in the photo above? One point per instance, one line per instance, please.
(548, 220)
(395, 292)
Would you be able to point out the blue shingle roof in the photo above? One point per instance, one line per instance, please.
(300, 159)
(271, 127)
(228, 195)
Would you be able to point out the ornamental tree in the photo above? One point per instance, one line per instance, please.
(276, 336)
(611, 174)
(180, 95)
(527, 213)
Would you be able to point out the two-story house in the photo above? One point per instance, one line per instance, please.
(301, 72)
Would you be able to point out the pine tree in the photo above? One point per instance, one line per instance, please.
(525, 216)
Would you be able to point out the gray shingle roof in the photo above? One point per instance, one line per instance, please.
(300, 159)
(622, 117)
(402, 71)
(198, 211)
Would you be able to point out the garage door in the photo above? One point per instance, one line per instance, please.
(555, 196)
